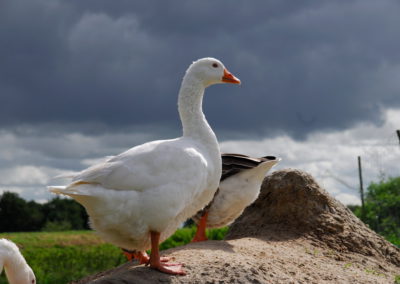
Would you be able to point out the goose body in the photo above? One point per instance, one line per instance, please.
(140, 197)
(240, 184)
(15, 266)
(124, 204)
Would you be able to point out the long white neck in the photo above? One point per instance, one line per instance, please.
(15, 266)
(190, 108)
(196, 127)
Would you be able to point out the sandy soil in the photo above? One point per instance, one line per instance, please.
(250, 260)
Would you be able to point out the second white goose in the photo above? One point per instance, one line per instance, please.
(17, 270)
(240, 184)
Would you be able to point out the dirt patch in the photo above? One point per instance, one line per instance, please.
(295, 232)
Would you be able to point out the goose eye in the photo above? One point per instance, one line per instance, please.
(215, 65)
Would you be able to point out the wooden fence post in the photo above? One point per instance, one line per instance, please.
(361, 188)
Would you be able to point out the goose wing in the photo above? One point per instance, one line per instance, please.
(148, 166)
(235, 163)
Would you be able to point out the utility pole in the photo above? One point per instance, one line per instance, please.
(361, 188)
(398, 134)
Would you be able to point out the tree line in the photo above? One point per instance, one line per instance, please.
(58, 214)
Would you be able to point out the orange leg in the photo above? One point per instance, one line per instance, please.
(200, 235)
(155, 262)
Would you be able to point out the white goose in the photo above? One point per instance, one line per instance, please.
(139, 198)
(240, 184)
(17, 270)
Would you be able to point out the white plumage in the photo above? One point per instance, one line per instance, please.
(240, 184)
(145, 189)
(154, 187)
(17, 270)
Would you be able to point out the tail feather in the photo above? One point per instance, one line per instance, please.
(56, 189)
(70, 175)
(69, 190)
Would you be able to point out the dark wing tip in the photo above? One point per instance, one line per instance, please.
(270, 158)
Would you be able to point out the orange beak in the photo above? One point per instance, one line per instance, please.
(229, 78)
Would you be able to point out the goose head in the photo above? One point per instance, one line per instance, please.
(23, 276)
(210, 71)
(31, 276)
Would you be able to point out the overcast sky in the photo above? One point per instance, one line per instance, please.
(80, 80)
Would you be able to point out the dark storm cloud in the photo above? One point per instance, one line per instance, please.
(305, 65)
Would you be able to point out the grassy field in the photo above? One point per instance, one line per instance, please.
(60, 257)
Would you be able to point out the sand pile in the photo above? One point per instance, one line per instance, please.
(295, 232)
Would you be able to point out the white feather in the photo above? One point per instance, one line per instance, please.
(158, 185)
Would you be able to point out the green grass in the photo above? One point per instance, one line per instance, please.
(185, 235)
(60, 257)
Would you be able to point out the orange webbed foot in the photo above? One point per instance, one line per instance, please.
(140, 256)
(129, 256)
(169, 268)
(155, 259)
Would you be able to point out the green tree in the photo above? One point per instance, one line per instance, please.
(65, 214)
(36, 216)
(382, 209)
(17, 215)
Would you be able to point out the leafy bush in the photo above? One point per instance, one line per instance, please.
(382, 209)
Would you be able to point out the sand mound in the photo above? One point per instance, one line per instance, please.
(295, 232)
(291, 205)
